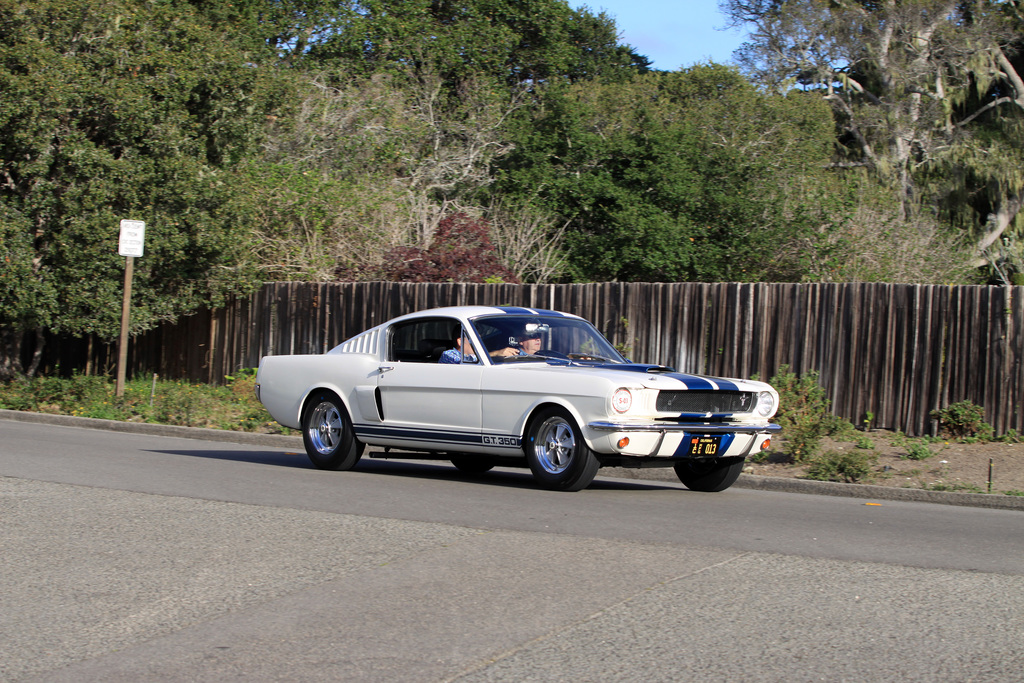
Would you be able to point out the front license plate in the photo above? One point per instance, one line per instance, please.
(704, 446)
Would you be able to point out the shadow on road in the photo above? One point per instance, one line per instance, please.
(433, 469)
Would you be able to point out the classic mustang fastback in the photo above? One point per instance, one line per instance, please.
(482, 386)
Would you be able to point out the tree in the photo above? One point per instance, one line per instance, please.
(926, 95)
(692, 175)
(368, 166)
(505, 41)
(402, 114)
(125, 110)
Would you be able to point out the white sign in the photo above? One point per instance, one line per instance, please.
(133, 234)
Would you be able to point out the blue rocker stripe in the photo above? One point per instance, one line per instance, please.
(439, 436)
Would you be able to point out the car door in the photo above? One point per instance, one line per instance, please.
(424, 403)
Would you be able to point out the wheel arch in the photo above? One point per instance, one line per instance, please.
(310, 395)
(552, 402)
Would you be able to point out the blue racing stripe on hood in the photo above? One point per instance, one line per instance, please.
(691, 381)
(698, 382)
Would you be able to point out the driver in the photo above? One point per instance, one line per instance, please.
(529, 343)
(525, 343)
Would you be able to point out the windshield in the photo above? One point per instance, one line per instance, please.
(531, 337)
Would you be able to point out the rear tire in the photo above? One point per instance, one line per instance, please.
(557, 454)
(327, 433)
(707, 475)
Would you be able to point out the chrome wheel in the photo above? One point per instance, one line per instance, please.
(555, 445)
(327, 433)
(557, 454)
(325, 428)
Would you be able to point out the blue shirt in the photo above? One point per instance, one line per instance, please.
(454, 356)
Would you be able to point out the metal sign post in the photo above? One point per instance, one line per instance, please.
(129, 245)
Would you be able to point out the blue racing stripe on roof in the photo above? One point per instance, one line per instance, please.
(516, 310)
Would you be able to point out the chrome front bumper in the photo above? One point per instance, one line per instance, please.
(695, 427)
(681, 428)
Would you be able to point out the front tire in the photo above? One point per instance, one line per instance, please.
(327, 433)
(557, 454)
(709, 476)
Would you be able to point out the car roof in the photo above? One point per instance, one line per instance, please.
(469, 312)
(367, 341)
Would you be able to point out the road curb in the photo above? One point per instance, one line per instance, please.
(746, 481)
(246, 438)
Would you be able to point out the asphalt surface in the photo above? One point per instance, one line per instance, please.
(138, 556)
(824, 488)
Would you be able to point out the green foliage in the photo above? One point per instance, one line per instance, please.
(962, 420)
(918, 450)
(804, 414)
(25, 300)
(232, 406)
(1011, 436)
(953, 487)
(759, 457)
(849, 466)
(122, 110)
(308, 140)
(864, 443)
(672, 176)
(504, 41)
(964, 167)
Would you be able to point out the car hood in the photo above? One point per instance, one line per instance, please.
(659, 377)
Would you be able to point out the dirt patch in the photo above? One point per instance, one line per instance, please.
(945, 466)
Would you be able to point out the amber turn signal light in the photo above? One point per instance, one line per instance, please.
(623, 442)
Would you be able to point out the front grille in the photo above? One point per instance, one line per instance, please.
(705, 401)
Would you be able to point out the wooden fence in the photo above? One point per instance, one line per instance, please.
(896, 352)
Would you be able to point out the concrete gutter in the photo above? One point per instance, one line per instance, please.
(747, 481)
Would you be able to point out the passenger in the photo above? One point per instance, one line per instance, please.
(462, 353)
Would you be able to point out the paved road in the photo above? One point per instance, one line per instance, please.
(128, 557)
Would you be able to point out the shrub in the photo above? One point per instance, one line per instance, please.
(804, 414)
(962, 420)
(231, 406)
(1011, 436)
(864, 443)
(918, 450)
(461, 251)
(849, 467)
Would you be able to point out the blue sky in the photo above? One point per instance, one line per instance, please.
(671, 33)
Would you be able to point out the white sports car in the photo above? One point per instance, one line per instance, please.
(482, 386)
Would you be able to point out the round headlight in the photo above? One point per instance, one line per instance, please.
(622, 400)
(765, 404)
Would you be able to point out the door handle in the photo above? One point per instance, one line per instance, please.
(384, 368)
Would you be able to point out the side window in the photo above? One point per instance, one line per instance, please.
(423, 340)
